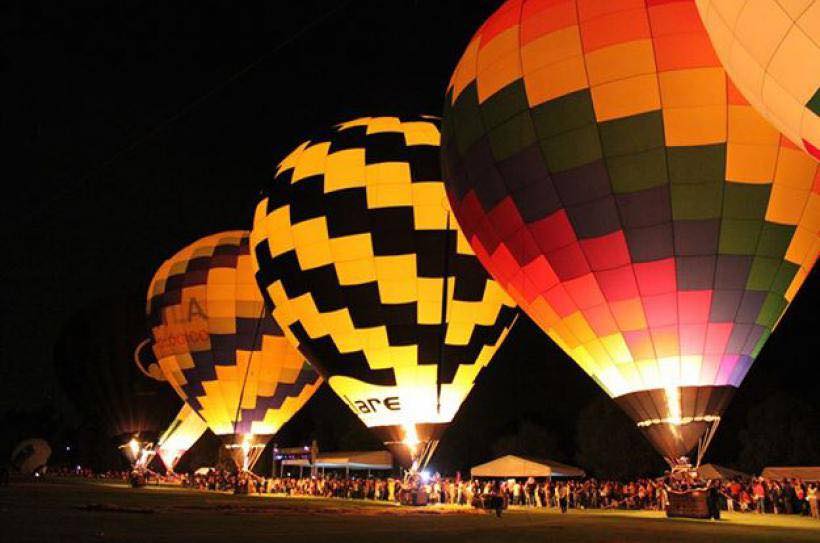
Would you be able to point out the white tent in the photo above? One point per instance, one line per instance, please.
(714, 471)
(512, 466)
(806, 473)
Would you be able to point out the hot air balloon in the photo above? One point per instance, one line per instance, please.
(356, 252)
(30, 456)
(93, 358)
(220, 350)
(609, 176)
(771, 50)
(185, 430)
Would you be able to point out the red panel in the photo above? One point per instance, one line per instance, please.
(693, 306)
(505, 218)
(640, 344)
(542, 17)
(584, 291)
(615, 28)
(692, 338)
(606, 252)
(541, 274)
(553, 232)
(560, 301)
(618, 284)
(674, 17)
(569, 262)
(503, 263)
(656, 277)
(523, 246)
(486, 233)
(469, 213)
(600, 320)
(661, 310)
(506, 16)
(717, 336)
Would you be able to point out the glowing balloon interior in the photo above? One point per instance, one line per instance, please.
(185, 430)
(218, 348)
(612, 180)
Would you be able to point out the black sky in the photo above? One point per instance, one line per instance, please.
(99, 187)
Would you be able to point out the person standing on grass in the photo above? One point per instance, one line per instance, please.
(759, 493)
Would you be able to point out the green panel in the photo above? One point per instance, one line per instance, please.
(697, 164)
(739, 236)
(504, 104)
(775, 239)
(760, 343)
(696, 201)
(563, 114)
(632, 134)
(762, 273)
(784, 277)
(631, 173)
(745, 201)
(467, 124)
(772, 308)
(572, 149)
(513, 136)
(814, 103)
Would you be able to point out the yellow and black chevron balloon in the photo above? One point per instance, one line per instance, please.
(368, 274)
(216, 344)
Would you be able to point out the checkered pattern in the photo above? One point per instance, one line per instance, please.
(354, 245)
(609, 176)
(209, 324)
(771, 50)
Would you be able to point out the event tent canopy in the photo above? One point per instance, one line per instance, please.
(806, 473)
(714, 471)
(524, 466)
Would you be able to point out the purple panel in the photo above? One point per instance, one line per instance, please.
(594, 219)
(695, 272)
(697, 237)
(738, 338)
(645, 208)
(582, 184)
(724, 305)
(750, 306)
(732, 271)
(650, 243)
(524, 168)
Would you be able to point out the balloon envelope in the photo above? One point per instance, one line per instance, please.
(609, 176)
(369, 276)
(218, 347)
(186, 428)
(771, 50)
(31, 456)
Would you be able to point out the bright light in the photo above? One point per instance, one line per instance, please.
(425, 476)
(673, 405)
(411, 438)
(134, 446)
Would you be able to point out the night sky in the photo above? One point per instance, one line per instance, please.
(137, 129)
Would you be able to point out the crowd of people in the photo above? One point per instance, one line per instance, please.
(758, 495)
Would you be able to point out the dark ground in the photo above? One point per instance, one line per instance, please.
(69, 511)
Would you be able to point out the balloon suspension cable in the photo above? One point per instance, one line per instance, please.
(706, 439)
(248, 369)
(443, 328)
(138, 360)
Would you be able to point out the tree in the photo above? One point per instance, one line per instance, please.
(780, 430)
(609, 446)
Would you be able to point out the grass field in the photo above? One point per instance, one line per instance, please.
(68, 511)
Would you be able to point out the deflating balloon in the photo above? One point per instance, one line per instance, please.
(185, 430)
(771, 50)
(220, 350)
(613, 181)
(369, 276)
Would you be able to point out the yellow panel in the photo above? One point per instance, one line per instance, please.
(378, 125)
(621, 61)
(694, 125)
(597, 351)
(797, 282)
(555, 80)
(352, 247)
(617, 348)
(498, 49)
(356, 272)
(690, 370)
(311, 240)
(465, 72)
(747, 126)
(752, 164)
(580, 327)
(429, 298)
(626, 97)
(628, 314)
(498, 76)
(795, 169)
(395, 195)
(693, 87)
(393, 291)
(344, 170)
(311, 162)
(786, 204)
(290, 161)
(421, 133)
(361, 121)
(388, 173)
